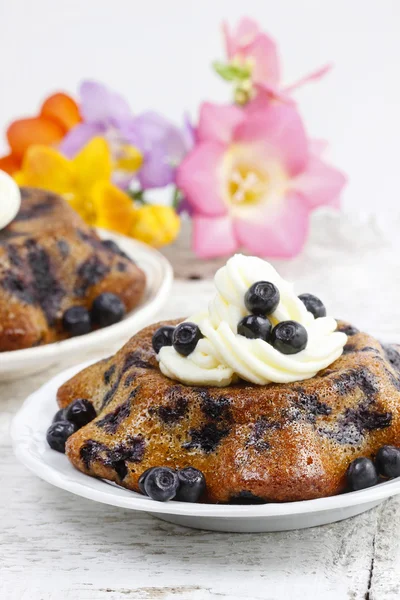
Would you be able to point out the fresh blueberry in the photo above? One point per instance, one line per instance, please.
(254, 326)
(59, 416)
(107, 309)
(262, 298)
(111, 245)
(162, 337)
(313, 305)
(289, 337)
(192, 484)
(80, 412)
(161, 484)
(142, 479)
(361, 474)
(387, 461)
(58, 433)
(185, 338)
(76, 320)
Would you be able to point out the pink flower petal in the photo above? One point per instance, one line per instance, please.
(278, 133)
(245, 33)
(213, 237)
(266, 62)
(265, 95)
(199, 178)
(317, 147)
(217, 122)
(320, 184)
(275, 231)
(230, 45)
(314, 76)
(246, 30)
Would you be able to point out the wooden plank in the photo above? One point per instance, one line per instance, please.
(385, 566)
(54, 544)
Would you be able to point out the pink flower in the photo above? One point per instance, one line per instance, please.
(248, 47)
(252, 180)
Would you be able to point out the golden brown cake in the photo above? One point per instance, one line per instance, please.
(277, 442)
(51, 260)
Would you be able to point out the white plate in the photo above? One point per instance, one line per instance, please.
(159, 275)
(28, 434)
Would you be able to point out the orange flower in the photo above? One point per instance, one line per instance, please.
(58, 114)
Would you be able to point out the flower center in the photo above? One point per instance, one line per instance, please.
(246, 185)
(128, 158)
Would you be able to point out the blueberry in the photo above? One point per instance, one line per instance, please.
(185, 338)
(76, 320)
(254, 326)
(107, 309)
(59, 416)
(262, 298)
(361, 474)
(192, 484)
(58, 433)
(387, 461)
(142, 479)
(80, 412)
(161, 484)
(313, 305)
(162, 337)
(111, 245)
(289, 337)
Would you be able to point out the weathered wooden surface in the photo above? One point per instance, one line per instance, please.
(54, 545)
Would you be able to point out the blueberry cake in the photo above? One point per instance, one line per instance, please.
(279, 442)
(227, 407)
(57, 277)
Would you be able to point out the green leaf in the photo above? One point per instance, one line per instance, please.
(176, 198)
(231, 72)
(137, 196)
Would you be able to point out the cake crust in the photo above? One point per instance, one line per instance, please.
(279, 443)
(51, 260)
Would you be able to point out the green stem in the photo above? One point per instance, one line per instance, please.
(176, 198)
(137, 196)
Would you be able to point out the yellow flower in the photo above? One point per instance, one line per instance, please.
(128, 158)
(155, 225)
(113, 208)
(84, 181)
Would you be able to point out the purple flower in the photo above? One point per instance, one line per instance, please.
(107, 114)
(162, 144)
(104, 113)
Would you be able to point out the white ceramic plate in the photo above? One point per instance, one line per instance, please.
(159, 277)
(28, 434)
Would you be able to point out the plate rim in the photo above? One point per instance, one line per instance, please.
(13, 358)
(135, 501)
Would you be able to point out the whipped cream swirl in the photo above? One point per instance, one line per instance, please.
(10, 199)
(223, 355)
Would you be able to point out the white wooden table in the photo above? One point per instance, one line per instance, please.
(54, 545)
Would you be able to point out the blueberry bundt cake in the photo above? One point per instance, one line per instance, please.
(279, 442)
(262, 396)
(50, 261)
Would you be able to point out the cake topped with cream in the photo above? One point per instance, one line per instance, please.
(256, 328)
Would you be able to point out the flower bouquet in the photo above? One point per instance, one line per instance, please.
(246, 174)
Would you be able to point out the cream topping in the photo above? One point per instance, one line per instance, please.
(10, 199)
(223, 355)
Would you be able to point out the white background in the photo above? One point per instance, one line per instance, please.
(158, 52)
